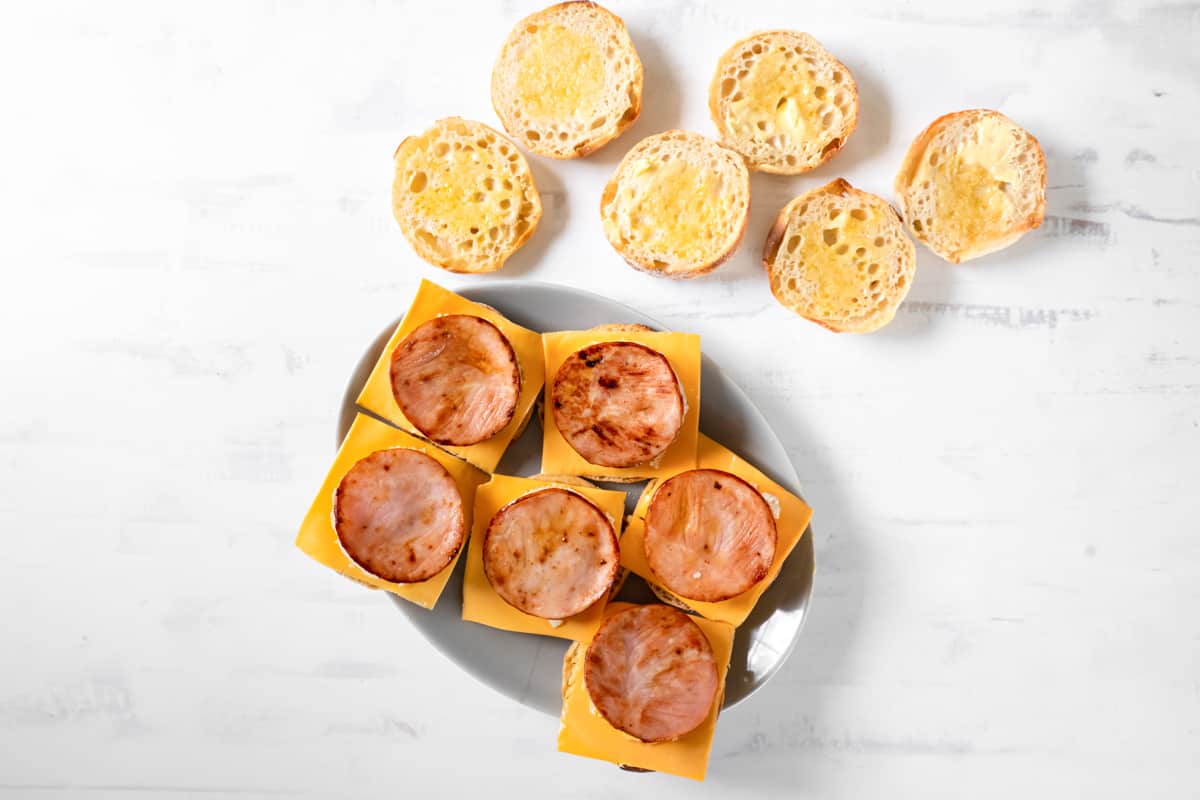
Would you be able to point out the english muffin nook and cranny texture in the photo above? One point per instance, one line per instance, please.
(568, 80)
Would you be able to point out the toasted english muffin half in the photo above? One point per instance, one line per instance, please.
(464, 196)
(838, 256)
(972, 183)
(568, 80)
(677, 205)
(781, 100)
(650, 672)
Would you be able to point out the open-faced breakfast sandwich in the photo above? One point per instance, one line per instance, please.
(398, 514)
(456, 379)
(544, 555)
(393, 512)
(459, 374)
(708, 535)
(645, 691)
(712, 539)
(621, 403)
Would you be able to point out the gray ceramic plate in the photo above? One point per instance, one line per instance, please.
(529, 668)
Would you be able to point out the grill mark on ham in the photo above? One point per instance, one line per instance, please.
(398, 515)
(709, 535)
(550, 553)
(617, 404)
(457, 380)
(650, 672)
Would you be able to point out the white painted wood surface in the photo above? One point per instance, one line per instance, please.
(197, 246)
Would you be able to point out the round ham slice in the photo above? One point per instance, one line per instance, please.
(650, 672)
(550, 553)
(618, 404)
(709, 535)
(456, 379)
(398, 515)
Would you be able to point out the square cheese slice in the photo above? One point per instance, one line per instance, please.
(433, 301)
(681, 349)
(481, 603)
(792, 516)
(584, 732)
(318, 538)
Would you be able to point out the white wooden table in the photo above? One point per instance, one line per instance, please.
(197, 246)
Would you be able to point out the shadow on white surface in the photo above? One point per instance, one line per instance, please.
(768, 195)
(789, 718)
(934, 294)
(661, 102)
(871, 135)
(556, 211)
(1067, 201)
(930, 298)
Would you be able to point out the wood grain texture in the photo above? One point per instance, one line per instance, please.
(198, 246)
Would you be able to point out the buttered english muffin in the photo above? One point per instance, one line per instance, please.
(677, 204)
(972, 183)
(782, 101)
(568, 80)
(464, 196)
(838, 256)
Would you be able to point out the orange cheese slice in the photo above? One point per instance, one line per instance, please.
(681, 349)
(317, 537)
(584, 732)
(433, 301)
(791, 523)
(481, 603)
